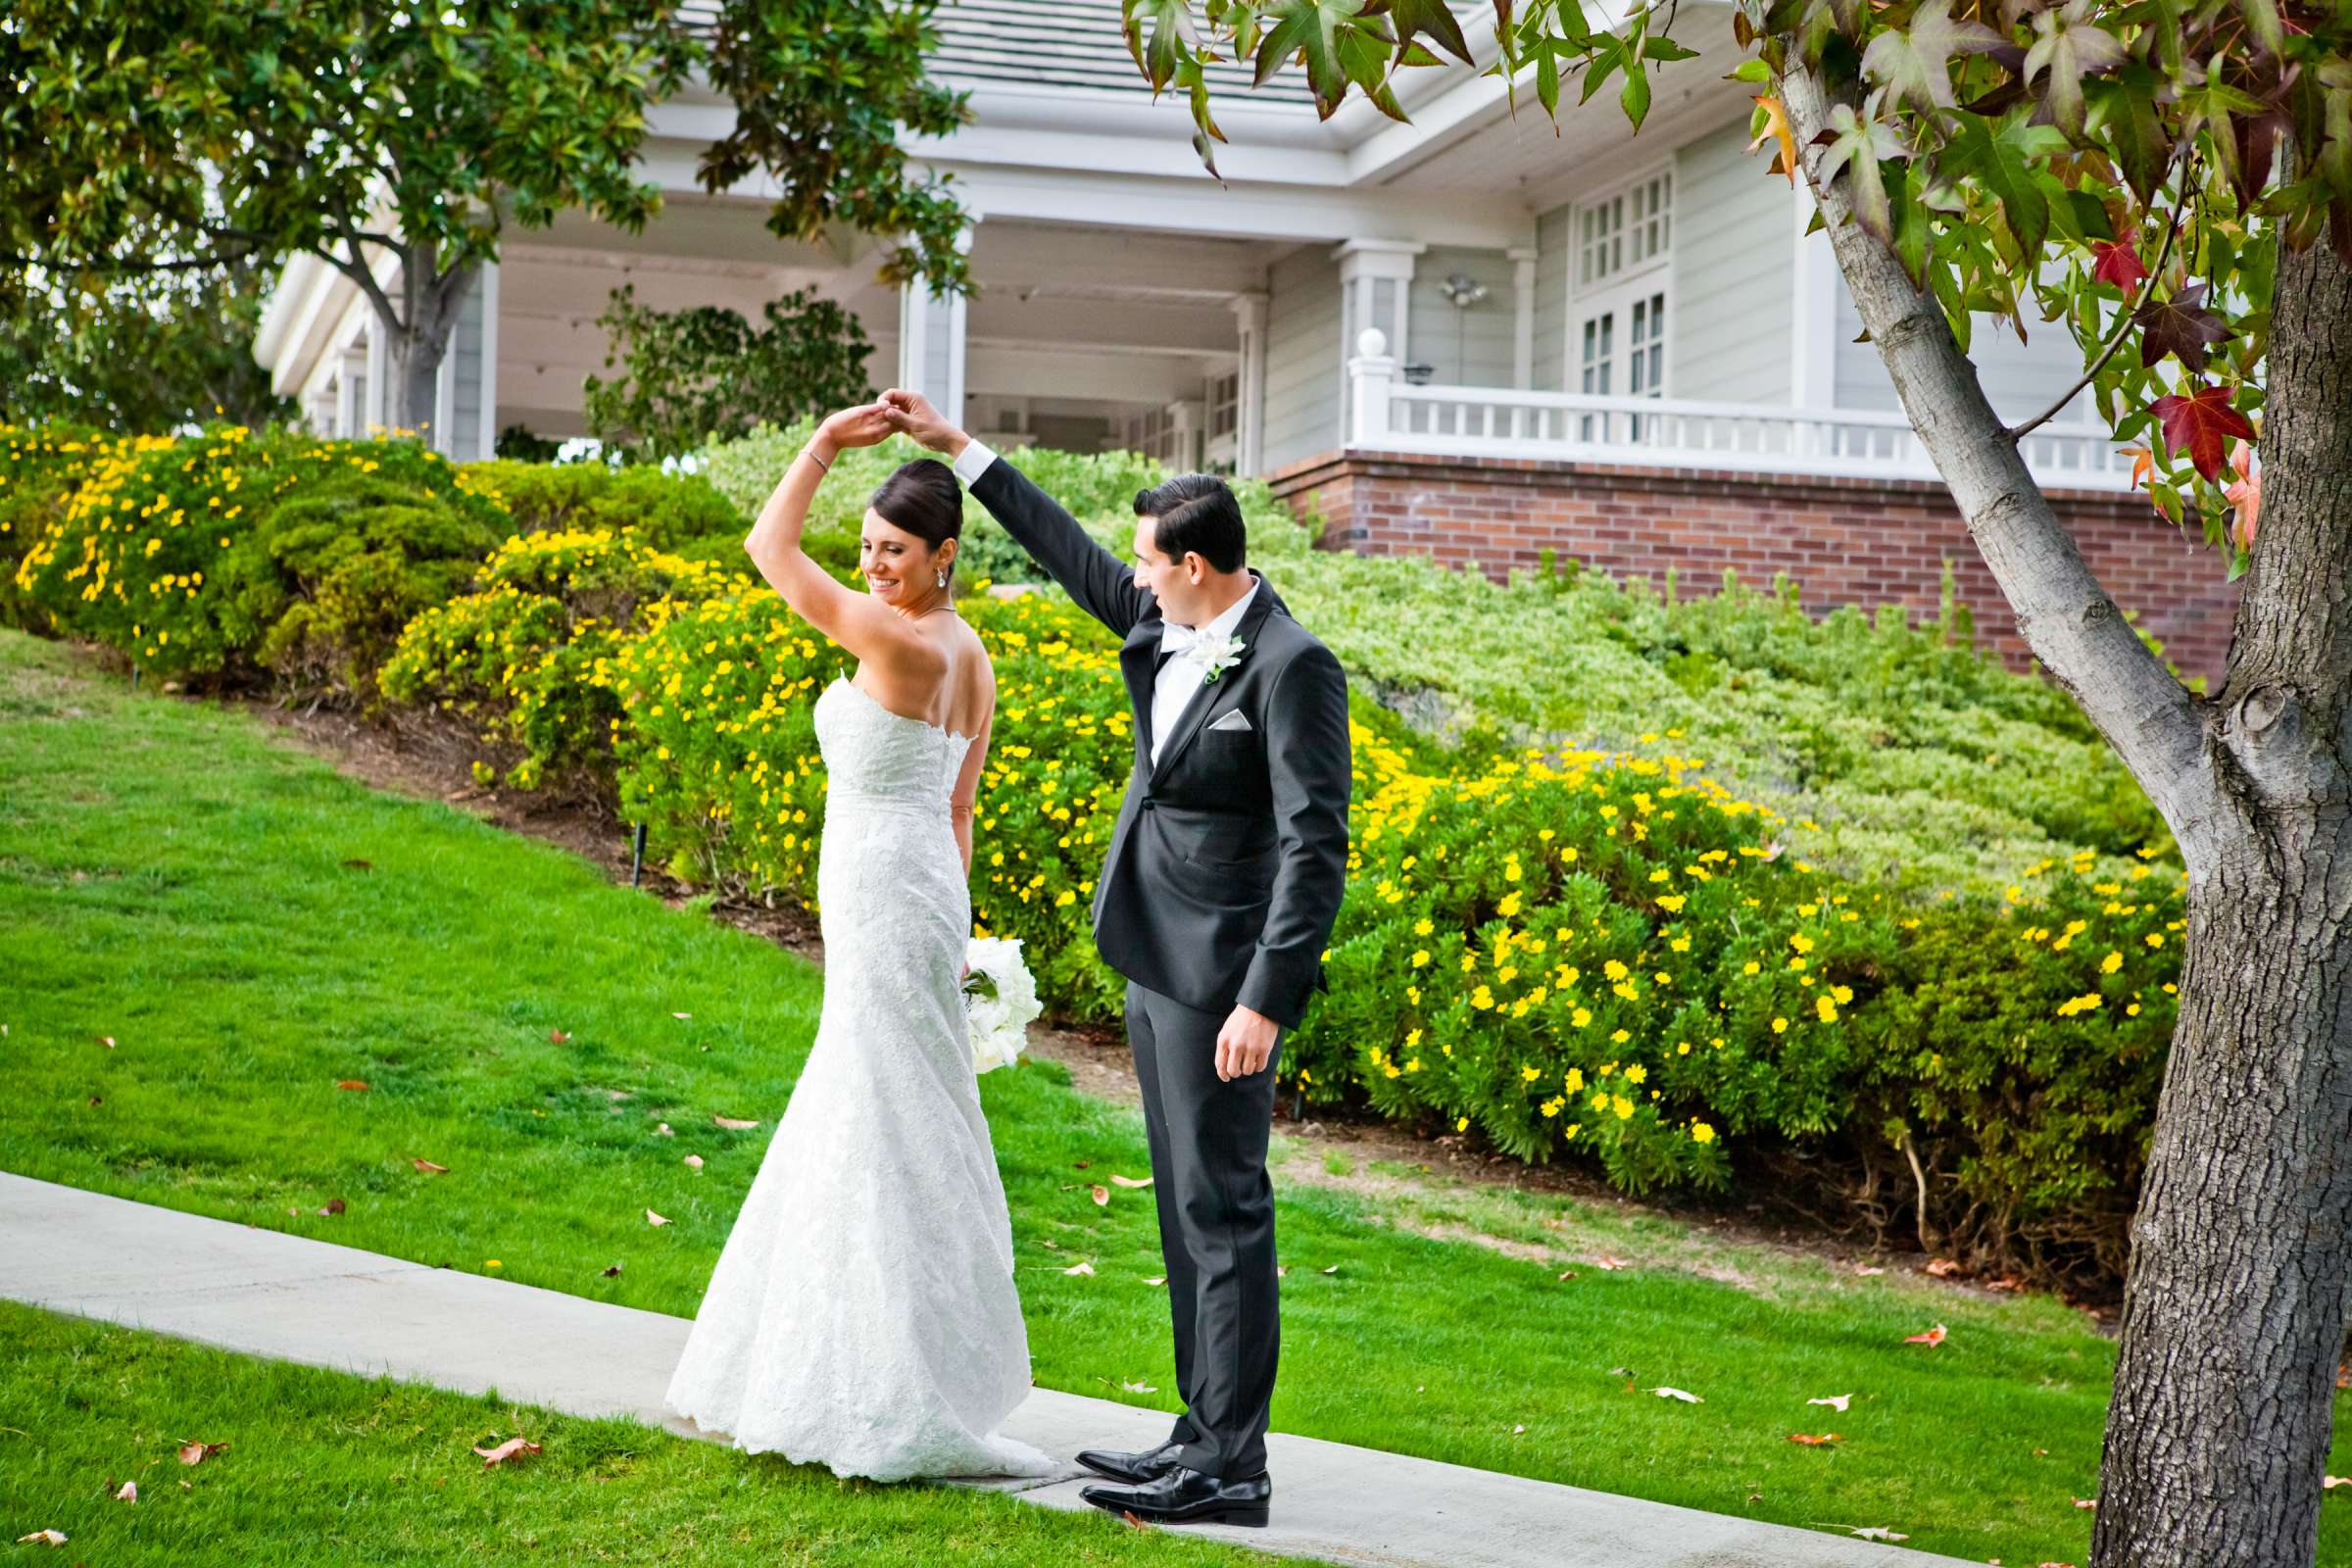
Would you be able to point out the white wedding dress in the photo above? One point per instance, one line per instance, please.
(862, 1314)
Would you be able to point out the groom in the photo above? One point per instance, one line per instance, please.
(1215, 900)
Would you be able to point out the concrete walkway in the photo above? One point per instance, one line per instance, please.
(267, 1294)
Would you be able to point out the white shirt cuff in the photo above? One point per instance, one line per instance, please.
(972, 461)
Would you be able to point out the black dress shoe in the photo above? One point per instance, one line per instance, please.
(1184, 1497)
(1135, 1468)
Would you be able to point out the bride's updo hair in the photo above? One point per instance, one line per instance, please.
(923, 499)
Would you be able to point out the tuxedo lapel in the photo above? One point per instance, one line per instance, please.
(1138, 664)
(1196, 708)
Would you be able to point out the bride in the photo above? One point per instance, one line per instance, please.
(863, 1312)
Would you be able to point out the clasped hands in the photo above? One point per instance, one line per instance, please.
(894, 413)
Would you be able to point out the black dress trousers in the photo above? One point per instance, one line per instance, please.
(1216, 1229)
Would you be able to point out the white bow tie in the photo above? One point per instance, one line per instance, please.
(1180, 642)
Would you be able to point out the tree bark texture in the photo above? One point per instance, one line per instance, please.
(2234, 1306)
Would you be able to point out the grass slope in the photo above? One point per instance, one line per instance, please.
(172, 880)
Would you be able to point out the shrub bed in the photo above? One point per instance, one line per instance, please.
(1607, 952)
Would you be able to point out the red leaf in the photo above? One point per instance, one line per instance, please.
(1932, 1337)
(2200, 422)
(334, 1205)
(2118, 262)
(1941, 1267)
(429, 1168)
(351, 1083)
(1812, 1442)
(558, 1036)
(198, 1452)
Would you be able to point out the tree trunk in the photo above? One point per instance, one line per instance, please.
(416, 338)
(2234, 1306)
(2234, 1312)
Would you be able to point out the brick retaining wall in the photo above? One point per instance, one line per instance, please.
(1843, 541)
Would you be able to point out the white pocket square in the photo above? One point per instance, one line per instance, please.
(1232, 720)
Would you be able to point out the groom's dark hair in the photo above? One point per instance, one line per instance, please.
(1196, 512)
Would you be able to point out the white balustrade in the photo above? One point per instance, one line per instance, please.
(1388, 414)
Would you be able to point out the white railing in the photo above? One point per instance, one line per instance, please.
(1481, 422)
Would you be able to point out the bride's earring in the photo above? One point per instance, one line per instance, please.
(939, 578)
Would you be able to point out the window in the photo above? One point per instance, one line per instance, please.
(1617, 343)
(1626, 230)
(1224, 404)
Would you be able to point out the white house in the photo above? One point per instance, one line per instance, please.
(1473, 293)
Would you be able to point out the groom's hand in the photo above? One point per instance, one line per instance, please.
(1245, 1043)
(912, 413)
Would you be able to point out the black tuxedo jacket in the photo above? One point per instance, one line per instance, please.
(1230, 853)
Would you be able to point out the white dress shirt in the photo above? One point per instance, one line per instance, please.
(1180, 676)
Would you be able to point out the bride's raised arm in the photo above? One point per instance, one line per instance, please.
(870, 629)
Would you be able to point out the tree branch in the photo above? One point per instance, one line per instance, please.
(2122, 325)
(2066, 617)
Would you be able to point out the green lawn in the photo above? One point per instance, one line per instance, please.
(322, 1467)
(172, 878)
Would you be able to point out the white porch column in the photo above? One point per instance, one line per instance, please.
(487, 283)
(1523, 315)
(1376, 277)
(1249, 392)
(351, 392)
(1371, 370)
(931, 340)
(1812, 312)
(1186, 426)
(371, 416)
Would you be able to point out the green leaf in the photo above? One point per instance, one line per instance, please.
(1634, 97)
(2070, 46)
(1310, 30)
(1916, 65)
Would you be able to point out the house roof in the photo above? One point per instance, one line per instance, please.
(1065, 44)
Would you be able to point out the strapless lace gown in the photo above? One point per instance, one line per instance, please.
(862, 1314)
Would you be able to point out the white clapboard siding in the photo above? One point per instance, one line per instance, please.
(1735, 254)
(1302, 357)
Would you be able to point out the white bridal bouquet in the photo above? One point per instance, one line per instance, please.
(1000, 998)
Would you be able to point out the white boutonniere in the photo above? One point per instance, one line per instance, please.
(1220, 656)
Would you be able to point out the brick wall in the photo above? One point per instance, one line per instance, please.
(1843, 541)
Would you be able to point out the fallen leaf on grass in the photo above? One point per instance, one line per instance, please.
(1081, 1164)
(681, 1015)
(55, 1538)
(651, 1218)
(1567, 1273)
(615, 1269)
(1878, 1533)
(1282, 1271)
(108, 1041)
(664, 1130)
(1138, 1388)
(694, 1161)
(1334, 1269)
(1836, 1402)
(1942, 1267)
(733, 1124)
(334, 1205)
(1678, 1393)
(1163, 1279)
(1865, 1271)
(359, 865)
(96, 1100)
(506, 1450)
(2007, 1282)
(1932, 1337)
(429, 1168)
(1099, 1194)
(1129, 1181)
(557, 1037)
(351, 1083)
(1128, 1514)
(2087, 1502)
(1080, 1268)
(1812, 1442)
(1611, 1263)
(2330, 1483)
(198, 1452)
(129, 1493)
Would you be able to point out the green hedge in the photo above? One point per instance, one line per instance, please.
(1608, 951)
